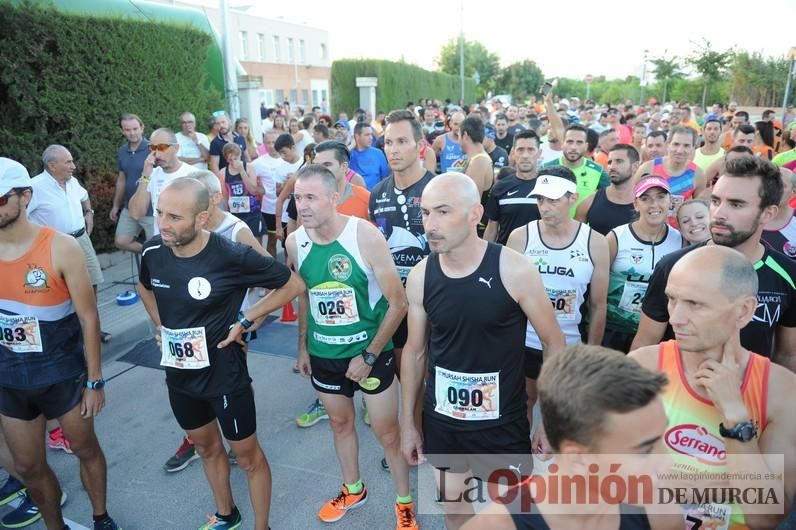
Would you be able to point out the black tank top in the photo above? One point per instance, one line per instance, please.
(476, 345)
(630, 518)
(604, 215)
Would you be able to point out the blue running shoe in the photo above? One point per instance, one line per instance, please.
(11, 490)
(25, 514)
(231, 522)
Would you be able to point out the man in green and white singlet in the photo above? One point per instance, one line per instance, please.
(354, 304)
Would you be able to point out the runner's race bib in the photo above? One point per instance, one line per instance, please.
(468, 397)
(632, 296)
(20, 333)
(563, 301)
(240, 204)
(709, 516)
(333, 304)
(185, 349)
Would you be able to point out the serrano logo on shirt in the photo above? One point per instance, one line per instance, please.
(696, 441)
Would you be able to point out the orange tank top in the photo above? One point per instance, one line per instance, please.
(693, 438)
(31, 286)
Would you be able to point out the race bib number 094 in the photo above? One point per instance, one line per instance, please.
(468, 397)
(20, 333)
(185, 349)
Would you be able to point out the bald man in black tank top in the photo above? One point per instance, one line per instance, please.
(475, 393)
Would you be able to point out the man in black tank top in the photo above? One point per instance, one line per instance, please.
(475, 297)
(610, 207)
(613, 417)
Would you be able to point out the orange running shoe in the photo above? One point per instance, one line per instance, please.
(405, 513)
(335, 509)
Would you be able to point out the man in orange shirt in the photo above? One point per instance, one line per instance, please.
(608, 139)
(353, 199)
(739, 118)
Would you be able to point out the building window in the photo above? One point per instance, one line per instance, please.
(294, 96)
(315, 100)
(244, 45)
(323, 96)
(302, 53)
(261, 47)
(323, 52)
(280, 96)
(305, 97)
(277, 53)
(289, 50)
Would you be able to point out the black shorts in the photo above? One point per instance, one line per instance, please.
(270, 223)
(533, 363)
(255, 223)
(618, 340)
(328, 375)
(400, 335)
(53, 401)
(482, 451)
(235, 412)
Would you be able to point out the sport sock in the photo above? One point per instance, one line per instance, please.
(403, 500)
(355, 488)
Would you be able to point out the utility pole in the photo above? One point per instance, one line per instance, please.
(643, 77)
(230, 70)
(791, 73)
(461, 52)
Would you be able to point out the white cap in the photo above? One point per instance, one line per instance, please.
(12, 175)
(553, 187)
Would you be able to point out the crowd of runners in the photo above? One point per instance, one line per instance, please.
(629, 270)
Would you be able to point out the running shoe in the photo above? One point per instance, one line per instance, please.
(184, 456)
(214, 522)
(11, 490)
(57, 440)
(25, 514)
(106, 524)
(405, 514)
(335, 509)
(315, 413)
(232, 458)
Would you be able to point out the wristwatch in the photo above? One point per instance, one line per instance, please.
(245, 322)
(743, 432)
(89, 211)
(97, 384)
(370, 358)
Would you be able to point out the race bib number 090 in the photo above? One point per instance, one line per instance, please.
(185, 349)
(468, 397)
(20, 333)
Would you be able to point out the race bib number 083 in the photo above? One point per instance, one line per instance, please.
(20, 333)
(185, 349)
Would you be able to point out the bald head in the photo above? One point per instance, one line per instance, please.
(190, 187)
(455, 187)
(163, 135)
(736, 277)
(208, 178)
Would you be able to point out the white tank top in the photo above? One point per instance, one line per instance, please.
(566, 275)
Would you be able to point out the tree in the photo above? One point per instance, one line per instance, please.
(666, 70)
(522, 80)
(476, 59)
(710, 63)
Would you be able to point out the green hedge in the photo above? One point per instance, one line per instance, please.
(66, 79)
(399, 83)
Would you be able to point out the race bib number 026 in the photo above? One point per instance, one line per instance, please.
(468, 397)
(20, 333)
(333, 304)
(185, 349)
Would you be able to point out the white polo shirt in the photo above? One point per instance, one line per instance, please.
(52, 205)
(267, 168)
(158, 181)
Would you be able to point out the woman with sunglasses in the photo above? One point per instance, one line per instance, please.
(634, 250)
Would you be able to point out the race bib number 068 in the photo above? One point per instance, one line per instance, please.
(185, 349)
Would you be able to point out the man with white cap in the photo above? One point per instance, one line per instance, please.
(49, 317)
(572, 260)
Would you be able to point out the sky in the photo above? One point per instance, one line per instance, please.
(580, 37)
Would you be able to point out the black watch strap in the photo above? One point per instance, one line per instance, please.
(742, 432)
(370, 358)
(246, 323)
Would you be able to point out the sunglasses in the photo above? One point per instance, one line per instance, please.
(159, 147)
(4, 198)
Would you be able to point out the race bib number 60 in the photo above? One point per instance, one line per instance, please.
(185, 349)
(20, 333)
(563, 301)
(469, 397)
